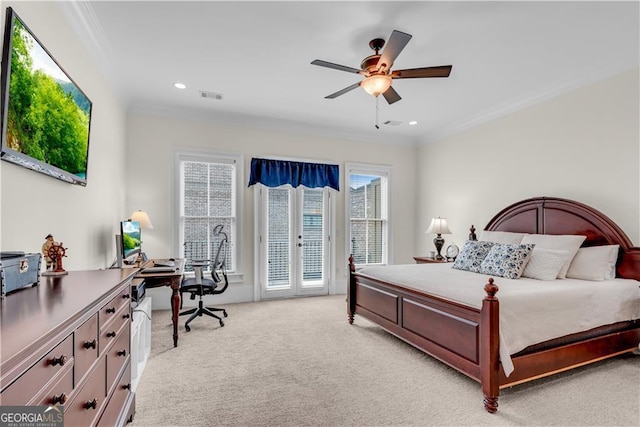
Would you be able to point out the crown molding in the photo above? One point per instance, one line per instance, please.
(525, 102)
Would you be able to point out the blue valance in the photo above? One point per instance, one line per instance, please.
(274, 173)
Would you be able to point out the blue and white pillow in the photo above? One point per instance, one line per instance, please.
(507, 261)
(471, 255)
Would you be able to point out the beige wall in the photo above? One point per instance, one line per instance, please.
(583, 145)
(33, 204)
(151, 144)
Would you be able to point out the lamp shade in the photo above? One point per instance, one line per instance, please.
(438, 226)
(142, 218)
(376, 84)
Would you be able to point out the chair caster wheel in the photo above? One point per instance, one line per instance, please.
(187, 328)
(224, 313)
(221, 323)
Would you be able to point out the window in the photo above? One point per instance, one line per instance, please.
(209, 196)
(368, 213)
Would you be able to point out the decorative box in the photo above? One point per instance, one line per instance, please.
(18, 270)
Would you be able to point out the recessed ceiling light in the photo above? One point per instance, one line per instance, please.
(180, 85)
(413, 122)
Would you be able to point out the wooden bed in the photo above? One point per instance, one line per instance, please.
(467, 338)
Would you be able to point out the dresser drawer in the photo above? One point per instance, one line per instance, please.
(58, 392)
(118, 354)
(86, 347)
(87, 404)
(112, 332)
(46, 371)
(115, 406)
(110, 311)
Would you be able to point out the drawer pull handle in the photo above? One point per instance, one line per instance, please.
(127, 386)
(61, 399)
(110, 310)
(92, 404)
(59, 360)
(126, 296)
(126, 316)
(91, 344)
(122, 353)
(111, 334)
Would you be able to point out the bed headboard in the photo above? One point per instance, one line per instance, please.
(551, 215)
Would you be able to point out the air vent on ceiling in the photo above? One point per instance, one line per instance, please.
(392, 123)
(211, 95)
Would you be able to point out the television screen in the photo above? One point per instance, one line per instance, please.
(45, 115)
(130, 235)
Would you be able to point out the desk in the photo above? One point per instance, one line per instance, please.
(173, 280)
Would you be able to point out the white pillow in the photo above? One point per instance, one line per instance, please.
(569, 243)
(505, 237)
(594, 263)
(545, 264)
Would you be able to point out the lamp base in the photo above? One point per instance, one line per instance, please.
(438, 241)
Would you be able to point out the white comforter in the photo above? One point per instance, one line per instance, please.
(531, 311)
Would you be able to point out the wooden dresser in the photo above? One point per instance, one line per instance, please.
(67, 342)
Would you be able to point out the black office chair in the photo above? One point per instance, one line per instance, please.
(200, 286)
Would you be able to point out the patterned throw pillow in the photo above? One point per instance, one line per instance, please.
(507, 260)
(471, 256)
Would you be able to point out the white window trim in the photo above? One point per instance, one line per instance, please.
(180, 154)
(369, 169)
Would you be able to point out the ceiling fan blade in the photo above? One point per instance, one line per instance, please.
(335, 66)
(397, 41)
(343, 91)
(391, 95)
(416, 73)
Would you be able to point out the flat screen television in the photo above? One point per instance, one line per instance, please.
(45, 115)
(130, 238)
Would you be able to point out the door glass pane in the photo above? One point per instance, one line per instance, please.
(312, 235)
(278, 265)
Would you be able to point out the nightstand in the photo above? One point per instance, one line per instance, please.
(427, 260)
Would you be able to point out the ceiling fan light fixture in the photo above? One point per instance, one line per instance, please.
(376, 84)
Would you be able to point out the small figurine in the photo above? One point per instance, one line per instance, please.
(53, 253)
(45, 251)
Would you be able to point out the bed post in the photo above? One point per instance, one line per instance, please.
(490, 347)
(351, 291)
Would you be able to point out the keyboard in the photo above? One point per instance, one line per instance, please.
(163, 263)
(156, 270)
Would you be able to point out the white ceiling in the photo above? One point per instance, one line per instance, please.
(505, 56)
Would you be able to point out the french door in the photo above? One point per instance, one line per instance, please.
(294, 241)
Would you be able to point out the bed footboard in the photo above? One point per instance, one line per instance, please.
(463, 337)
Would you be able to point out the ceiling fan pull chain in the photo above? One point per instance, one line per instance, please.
(377, 120)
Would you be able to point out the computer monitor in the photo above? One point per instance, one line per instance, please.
(129, 242)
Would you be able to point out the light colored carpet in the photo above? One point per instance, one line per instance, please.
(298, 362)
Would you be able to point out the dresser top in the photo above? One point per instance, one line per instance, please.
(37, 314)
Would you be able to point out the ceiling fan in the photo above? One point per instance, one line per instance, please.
(377, 68)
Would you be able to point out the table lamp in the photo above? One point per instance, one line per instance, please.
(439, 227)
(142, 218)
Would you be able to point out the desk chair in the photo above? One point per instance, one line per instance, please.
(200, 286)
